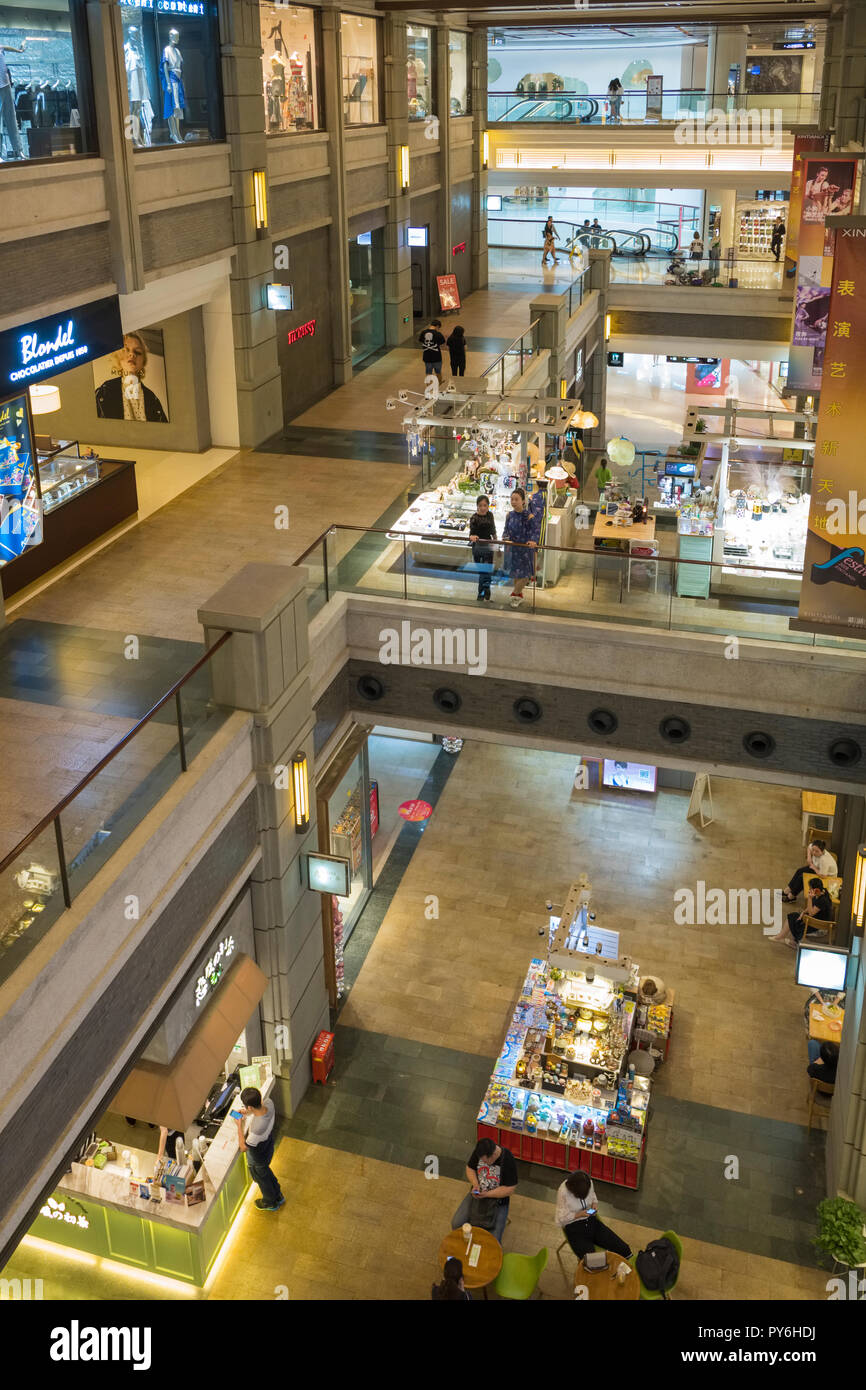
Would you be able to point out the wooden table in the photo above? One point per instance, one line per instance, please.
(600, 1286)
(639, 533)
(489, 1262)
(819, 1025)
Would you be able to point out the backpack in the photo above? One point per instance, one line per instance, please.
(658, 1266)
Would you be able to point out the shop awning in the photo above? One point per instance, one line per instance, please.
(173, 1095)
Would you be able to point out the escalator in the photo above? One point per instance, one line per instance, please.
(623, 242)
(552, 108)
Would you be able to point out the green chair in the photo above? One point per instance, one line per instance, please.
(651, 1295)
(518, 1278)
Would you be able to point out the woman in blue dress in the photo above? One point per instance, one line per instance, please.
(523, 525)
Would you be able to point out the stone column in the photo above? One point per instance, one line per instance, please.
(727, 46)
(594, 393)
(114, 133)
(443, 104)
(844, 79)
(478, 78)
(338, 237)
(728, 220)
(265, 669)
(398, 260)
(260, 397)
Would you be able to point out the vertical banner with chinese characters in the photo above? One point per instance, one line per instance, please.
(803, 144)
(833, 595)
(828, 190)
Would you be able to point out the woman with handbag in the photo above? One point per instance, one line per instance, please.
(492, 1176)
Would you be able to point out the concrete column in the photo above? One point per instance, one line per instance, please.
(551, 311)
(114, 133)
(595, 387)
(844, 79)
(443, 88)
(265, 669)
(260, 407)
(728, 220)
(478, 79)
(727, 46)
(338, 238)
(398, 260)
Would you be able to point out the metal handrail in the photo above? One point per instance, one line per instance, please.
(112, 753)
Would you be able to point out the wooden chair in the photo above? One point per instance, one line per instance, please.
(818, 1088)
(826, 929)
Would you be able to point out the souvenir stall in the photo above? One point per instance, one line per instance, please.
(571, 1086)
(763, 492)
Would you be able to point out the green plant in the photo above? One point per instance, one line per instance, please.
(700, 425)
(840, 1231)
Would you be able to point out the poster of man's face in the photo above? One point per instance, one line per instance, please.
(130, 383)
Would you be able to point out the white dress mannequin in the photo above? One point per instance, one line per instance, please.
(139, 93)
(172, 86)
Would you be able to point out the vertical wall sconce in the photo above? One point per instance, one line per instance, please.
(260, 198)
(301, 787)
(485, 149)
(403, 167)
(607, 328)
(858, 903)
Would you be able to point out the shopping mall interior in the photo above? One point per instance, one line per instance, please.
(431, 654)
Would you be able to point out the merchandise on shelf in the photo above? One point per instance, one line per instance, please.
(755, 229)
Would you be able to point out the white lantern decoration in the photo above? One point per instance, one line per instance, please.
(621, 451)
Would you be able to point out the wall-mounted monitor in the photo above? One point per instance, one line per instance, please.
(822, 967)
(416, 236)
(326, 873)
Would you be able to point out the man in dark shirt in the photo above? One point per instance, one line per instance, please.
(482, 528)
(492, 1175)
(431, 341)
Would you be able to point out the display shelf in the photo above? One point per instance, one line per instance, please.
(755, 229)
(761, 526)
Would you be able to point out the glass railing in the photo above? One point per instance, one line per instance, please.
(585, 581)
(514, 361)
(637, 107)
(669, 221)
(47, 870)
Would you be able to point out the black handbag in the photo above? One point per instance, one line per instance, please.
(482, 1212)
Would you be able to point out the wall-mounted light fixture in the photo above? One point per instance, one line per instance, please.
(260, 199)
(563, 388)
(485, 149)
(301, 788)
(858, 902)
(403, 167)
(607, 328)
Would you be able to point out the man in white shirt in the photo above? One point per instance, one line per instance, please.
(820, 862)
(257, 1141)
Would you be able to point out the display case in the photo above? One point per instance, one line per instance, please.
(64, 473)
(359, 89)
(755, 229)
(761, 520)
(562, 1092)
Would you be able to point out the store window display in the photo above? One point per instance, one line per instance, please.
(459, 88)
(419, 72)
(360, 56)
(44, 81)
(171, 56)
(290, 55)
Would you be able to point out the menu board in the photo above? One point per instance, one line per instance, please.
(20, 503)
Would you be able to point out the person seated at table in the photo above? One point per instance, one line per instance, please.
(818, 904)
(492, 1176)
(820, 862)
(823, 1060)
(577, 1214)
(452, 1289)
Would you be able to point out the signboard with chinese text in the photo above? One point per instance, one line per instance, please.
(828, 190)
(833, 593)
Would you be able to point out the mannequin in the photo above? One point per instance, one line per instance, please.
(171, 73)
(139, 92)
(7, 101)
(276, 92)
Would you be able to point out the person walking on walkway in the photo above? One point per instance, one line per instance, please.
(431, 341)
(456, 344)
(551, 235)
(258, 1144)
(577, 1215)
(777, 236)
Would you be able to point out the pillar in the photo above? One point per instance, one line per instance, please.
(115, 143)
(726, 47)
(594, 394)
(728, 220)
(478, 78)
(398, 260)
(265, 669)
(443, 102)
(259, 387)
(844, 79)
(338, 234)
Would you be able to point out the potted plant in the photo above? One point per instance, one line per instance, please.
(840, 1231)
(700, 425)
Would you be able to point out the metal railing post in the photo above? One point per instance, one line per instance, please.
(61, 857)
(181, 742)
(325, 567)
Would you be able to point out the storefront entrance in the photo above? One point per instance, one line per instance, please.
(367, 293)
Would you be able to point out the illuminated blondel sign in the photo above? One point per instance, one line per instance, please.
(306, 330)
(212, 973)
(44, 347)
